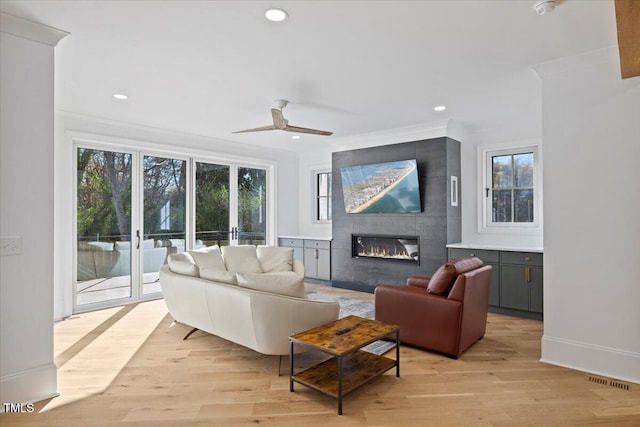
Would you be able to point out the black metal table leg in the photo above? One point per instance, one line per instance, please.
(291, 367)
(398, 353)
(339, 385)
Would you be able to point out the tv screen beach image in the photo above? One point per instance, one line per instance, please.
(390, 187)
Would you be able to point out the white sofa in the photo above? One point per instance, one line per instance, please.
(98, 260)
(256, 298)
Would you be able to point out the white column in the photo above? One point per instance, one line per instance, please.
(27, 370)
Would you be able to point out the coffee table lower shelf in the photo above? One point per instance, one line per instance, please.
(357, 369)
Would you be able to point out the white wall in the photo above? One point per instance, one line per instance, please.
(72, 126)
(312, 160)
(591, 129)
(474, 143)
(27, 370)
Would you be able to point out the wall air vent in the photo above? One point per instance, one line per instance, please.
(610, 382)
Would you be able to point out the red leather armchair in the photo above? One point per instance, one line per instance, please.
(446, 312)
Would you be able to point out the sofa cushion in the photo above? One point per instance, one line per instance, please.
(282, 284)
(148, 244)
(218, 275)
(183, 263)
(241, 259)
(442, 280)
(95, 246)
(210, 257)
(275, 259)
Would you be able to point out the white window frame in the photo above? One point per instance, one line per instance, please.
(316, 195)
(486, 221)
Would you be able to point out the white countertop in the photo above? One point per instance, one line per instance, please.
(496, 247)
(305, 237)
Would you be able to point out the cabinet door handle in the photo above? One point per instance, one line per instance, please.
(317, 254)
(472, 254)
(527, 258)
(527, 274)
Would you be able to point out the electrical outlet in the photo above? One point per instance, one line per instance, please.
(10, 245)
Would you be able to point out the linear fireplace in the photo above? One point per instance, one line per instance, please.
(388, 248)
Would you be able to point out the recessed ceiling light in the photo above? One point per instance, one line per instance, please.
(440, 108)
(295, 137)
(276, 15)
(120, 96)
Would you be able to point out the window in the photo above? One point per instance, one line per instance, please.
(511, 188)
(323, 196)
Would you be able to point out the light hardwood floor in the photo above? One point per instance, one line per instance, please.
(128, 366)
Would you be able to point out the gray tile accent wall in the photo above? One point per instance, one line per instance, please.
(439, 223)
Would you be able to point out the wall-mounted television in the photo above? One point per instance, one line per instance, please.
(390, 187)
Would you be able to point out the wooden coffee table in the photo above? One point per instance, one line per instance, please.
(350, 367)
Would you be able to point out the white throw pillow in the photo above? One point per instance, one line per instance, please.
(123, 246)
(209, 257)
(242, 259)
(218, 275)
(282, 284)
(275, 259)
(184, 264)
(148, 244)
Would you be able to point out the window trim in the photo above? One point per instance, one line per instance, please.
(485, 218)
(316, 196)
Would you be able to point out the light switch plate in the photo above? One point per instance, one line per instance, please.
(10, 245)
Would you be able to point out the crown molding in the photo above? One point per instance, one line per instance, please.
(577, 62)
(390, 136)
(30, 30)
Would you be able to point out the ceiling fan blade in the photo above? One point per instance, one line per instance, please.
(270, 127)
(278, 119)
(307, 130)
(627, 17)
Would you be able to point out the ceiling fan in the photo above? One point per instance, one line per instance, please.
(280, 123)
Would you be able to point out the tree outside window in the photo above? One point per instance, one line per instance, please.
(511, 195)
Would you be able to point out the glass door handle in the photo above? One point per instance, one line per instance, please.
(137, 239)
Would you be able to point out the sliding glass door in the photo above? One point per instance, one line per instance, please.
(103, 218)
(212, 220)
(134, 209)
(164, 216)
(227, 214)
(252, 206)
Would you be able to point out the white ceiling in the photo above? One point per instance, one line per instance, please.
(351, 67)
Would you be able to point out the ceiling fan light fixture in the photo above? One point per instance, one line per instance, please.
(276, 15)
(544, 6)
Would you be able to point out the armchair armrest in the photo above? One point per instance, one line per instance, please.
(419, 281)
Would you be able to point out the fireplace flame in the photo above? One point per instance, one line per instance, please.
(375, 251)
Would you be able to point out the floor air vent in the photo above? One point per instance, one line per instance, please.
(609, 382)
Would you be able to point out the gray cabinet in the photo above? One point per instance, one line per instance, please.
(516, 280)
(521, 280)
(296, 244)
(315, 254)
(317, 259)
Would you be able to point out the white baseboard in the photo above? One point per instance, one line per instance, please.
(29, 386)
(594, 359)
